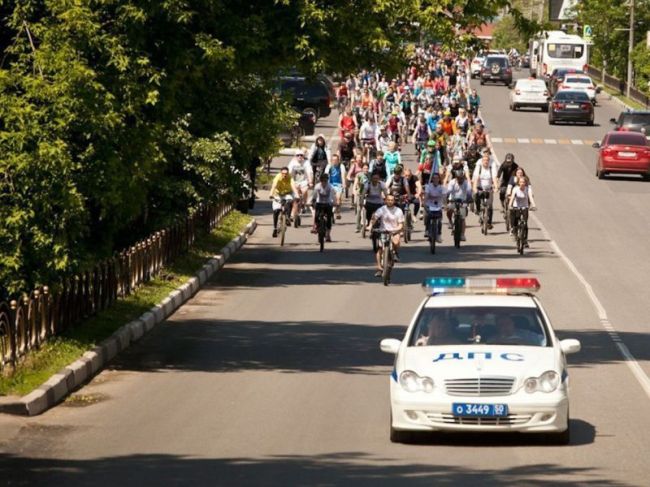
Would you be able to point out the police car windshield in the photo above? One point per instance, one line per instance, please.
(480, 326)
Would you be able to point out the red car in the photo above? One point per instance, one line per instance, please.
(623, 152)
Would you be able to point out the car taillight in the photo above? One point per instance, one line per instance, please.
(558, 105)
(586, 106)
(607, 152)
(508, 71)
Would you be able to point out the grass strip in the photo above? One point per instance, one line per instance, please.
(624, 99)
(61, 350)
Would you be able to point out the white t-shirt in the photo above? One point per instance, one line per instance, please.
(522, 197)
(390, 218)
(323, 194)
(300, 172)
(484, 176)
(459, 192)
(434, 196)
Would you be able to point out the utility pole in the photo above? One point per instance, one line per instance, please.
(630, 48)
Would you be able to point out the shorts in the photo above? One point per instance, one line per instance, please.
(303, 185)
(338, 188)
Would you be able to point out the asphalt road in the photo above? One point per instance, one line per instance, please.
(271, 375)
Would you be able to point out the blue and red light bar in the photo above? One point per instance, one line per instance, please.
(499, 285)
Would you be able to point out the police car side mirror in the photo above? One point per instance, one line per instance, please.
(569, 346)
(390, 345)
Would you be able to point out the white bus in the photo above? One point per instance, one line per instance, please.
(556, 49)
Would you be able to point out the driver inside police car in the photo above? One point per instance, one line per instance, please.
(507, 330)
(439, 332)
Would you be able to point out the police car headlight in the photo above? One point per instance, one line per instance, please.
(549, 381)
(531, 385)
(412, 382)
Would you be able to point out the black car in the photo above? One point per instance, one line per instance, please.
(496, 69)
(633, 121)
(570, 106)
(309, 96)
(557, 77)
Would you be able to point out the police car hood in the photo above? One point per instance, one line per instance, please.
(459, 361)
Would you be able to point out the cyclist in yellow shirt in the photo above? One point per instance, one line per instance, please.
(283, 190)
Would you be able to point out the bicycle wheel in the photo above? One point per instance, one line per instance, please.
(506, 217)
(484, 223)
(386, 264)
(433, 233)
(364, 223)
(296, 220)
(520, 238)
(457, 231)
(283, 227)
(322, 230)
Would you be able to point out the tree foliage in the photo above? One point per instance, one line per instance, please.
(118, 115)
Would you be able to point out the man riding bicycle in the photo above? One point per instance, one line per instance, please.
(323, 201)
(433, 201)
(283, 190)
(484, 182)
(391, 220)
(459, 190)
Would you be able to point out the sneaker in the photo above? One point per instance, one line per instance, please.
(328, 238)
(450, 225)
(462, 238)
(358, 230)
(526, 245)
(313, 229)
(338, 216)
(439, 239)
(396, 257)
(378, 274)
(275, 232)
(426, 236)
(490, 226)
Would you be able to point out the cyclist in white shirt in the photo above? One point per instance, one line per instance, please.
(433, 198)
(391, 220)
(322, 200)
(459, 189)
(521, 198)
(301, 173)
(484, 181)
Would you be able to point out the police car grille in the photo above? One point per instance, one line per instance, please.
(480, 386)
(511, 419)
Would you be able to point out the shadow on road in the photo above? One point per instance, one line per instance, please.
(344, 468)
(234, 346)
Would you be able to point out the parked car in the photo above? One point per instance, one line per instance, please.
(309, 96)
(557, 77)
(496, 68)
(623, 152)
(570, 106)
(580, 82)
(634, 121)
(529, 92)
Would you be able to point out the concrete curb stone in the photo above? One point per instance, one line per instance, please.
(73, 376)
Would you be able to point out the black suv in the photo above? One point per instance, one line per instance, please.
(496, 68)
(633, 121)
(315, 97)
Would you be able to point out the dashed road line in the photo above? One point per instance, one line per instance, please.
(538, 141)
(523, 141)
(576, 142)
(550, 141)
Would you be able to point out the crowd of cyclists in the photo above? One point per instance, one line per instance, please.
(430, 106)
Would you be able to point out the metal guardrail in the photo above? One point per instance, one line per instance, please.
(619, 85)
(27, 322)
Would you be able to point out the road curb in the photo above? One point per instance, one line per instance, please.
(79, 372)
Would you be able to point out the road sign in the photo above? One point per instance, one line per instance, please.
(587, 33)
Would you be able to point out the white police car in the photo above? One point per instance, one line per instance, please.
(480, 355)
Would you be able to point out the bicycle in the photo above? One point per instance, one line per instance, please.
(408, 219)
(385, 242)
(435, 227)
(484, 216)
(504, 209)
(457, 222)
(300, 205)
(321, 224)
(360, 211)
(521, 228)
(285, 216)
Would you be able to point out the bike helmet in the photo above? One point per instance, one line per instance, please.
(431, 143)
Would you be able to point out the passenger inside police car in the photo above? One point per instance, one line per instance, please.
(509, 333)
(439, 331)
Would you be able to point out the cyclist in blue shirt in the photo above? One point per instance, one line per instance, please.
(336, 172)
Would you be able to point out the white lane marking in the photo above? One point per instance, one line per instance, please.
(550, 141)
(577, 142)
(523, 141)
(630, 360)
(497, 140)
